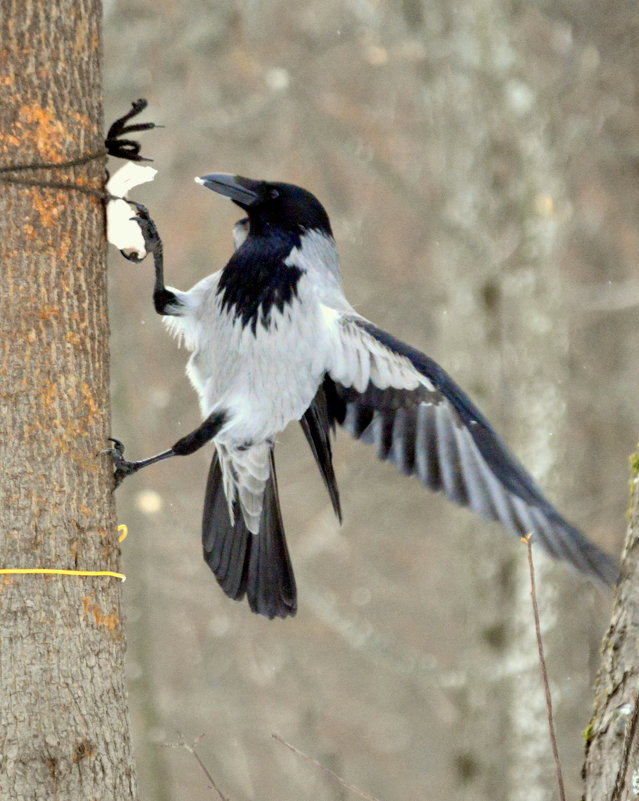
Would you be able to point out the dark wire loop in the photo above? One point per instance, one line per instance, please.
(85, 190)
(76, 162)
(127, 149)
(38, 165)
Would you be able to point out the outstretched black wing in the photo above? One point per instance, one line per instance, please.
(387, 393)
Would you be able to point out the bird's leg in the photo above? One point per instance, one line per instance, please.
(183, 447)
(124, 468)
(165, 301)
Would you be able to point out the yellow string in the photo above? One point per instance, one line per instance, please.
(55, 571)
(50, 571)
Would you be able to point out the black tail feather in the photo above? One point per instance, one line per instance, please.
(317, 424)
(255, 565)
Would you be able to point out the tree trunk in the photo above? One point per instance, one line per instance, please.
(611, 770)
(63, 711)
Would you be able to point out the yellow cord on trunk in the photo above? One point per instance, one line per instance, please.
(59, 572)
(56, 571)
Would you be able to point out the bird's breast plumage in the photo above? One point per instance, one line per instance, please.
(259, 334)
(263, 375)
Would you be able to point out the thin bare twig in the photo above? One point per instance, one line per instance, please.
(544, 672)
(182, 743)
(331, 773)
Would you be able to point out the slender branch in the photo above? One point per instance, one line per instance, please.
(182, 743)
(544, 672)
(331, 773)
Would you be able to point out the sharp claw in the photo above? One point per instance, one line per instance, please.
(147, 227)
(117, 446)
(123, 468)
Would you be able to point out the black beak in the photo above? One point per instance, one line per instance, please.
(242, 191)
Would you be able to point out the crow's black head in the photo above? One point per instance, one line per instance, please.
(271, 205)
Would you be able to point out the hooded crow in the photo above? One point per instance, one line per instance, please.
(273, 339)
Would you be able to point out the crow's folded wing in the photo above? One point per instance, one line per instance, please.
(387, 393)
(318, 425)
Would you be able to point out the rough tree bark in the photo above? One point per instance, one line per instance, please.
(63, 710)
(611, 770)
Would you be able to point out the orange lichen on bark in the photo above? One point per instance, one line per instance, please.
(8, 140)
(48, 312)
(87, 394)
(30, 231)
(7, 581)
(92, 609)
(41, 127)
(65, 241)
(83, 119)
(49, 206)
(49, 394)
(37, 128)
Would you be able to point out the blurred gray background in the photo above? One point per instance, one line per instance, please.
(479, 161)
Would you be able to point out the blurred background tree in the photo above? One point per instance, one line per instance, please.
(478, 160)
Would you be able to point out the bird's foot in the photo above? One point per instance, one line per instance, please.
(123, 468)
(148, 227)
(149, 231)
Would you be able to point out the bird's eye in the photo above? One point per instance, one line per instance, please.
(274, 193)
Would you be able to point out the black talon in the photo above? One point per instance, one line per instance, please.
(117, 445)
(123, 468)
(152, 241)
(149, 229)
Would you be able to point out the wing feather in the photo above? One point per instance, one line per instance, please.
(388, 394)
(426, 447)
(318, 424)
